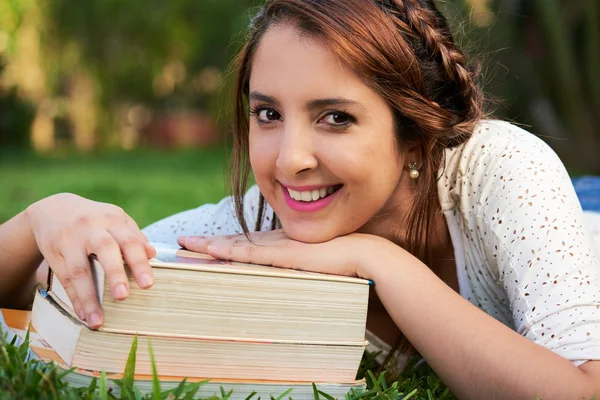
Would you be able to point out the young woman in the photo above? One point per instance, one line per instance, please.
(363, 126)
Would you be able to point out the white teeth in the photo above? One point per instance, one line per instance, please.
(306, 196)
(315, 195)
(295, 195)
(310, 195)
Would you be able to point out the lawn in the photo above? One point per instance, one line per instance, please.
(149, 185)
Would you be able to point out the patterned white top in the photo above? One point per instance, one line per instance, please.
(524, 254)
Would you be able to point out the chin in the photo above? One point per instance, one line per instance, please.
(308, 234)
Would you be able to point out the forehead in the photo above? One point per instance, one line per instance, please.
(288, 62)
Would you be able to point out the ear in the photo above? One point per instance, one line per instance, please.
(413, 154)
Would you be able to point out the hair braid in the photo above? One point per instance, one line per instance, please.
(427, 22)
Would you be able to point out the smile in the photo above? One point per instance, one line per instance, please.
(311, 195)
(310, 200)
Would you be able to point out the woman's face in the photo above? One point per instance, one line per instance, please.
(322, 144)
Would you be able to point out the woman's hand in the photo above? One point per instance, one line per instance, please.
(69, 228)
(344, 255)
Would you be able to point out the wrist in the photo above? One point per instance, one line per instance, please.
(382, 258)
(374, 257)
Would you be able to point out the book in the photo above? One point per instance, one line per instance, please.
(19, 321)
(197, 296)
(93, 350)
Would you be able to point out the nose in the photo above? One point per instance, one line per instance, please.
(296, 151)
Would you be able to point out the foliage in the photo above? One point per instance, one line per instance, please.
(96, 67)
(16, 117)
(26, 378)
(135, 39)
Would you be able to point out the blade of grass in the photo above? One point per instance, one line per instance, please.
(411, 394)
(129, 373)
(251, 395)
(315, 391)
(227, 395)
(327, 396)
(156, 394)
(282, 395)
(103, 386)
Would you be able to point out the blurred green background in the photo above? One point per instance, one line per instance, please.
(126, 101)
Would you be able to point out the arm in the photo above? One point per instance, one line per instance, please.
(19, 260)
(474, 354)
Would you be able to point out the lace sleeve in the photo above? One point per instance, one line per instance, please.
(209, 219)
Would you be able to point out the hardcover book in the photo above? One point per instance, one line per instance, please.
(195, 295)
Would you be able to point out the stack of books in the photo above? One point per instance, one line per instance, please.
(243, 327)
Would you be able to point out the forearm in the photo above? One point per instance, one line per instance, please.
(476, 355)
(19, 260)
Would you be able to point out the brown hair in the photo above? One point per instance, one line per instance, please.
(404, 50)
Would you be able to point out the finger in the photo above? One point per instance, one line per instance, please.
(150, 250)
(133, 226)
(284, 254)
(197, 243)
(135, 256)
(200, 243)
(79, 276)
(57, 263)
(108, 253)
(250, 253)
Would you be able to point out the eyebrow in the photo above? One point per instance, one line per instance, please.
(263, 97)
(311, 105)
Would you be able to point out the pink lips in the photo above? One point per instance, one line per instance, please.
(307, 206)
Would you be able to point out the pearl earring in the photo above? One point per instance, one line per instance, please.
(414, 172)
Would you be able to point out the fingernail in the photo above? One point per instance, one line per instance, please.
(146, 281)
(80, 314)
(120, 291)
(95, 319)
(190, 240)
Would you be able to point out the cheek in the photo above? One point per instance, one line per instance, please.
(376, 175)
(371, 164)
(263, 155)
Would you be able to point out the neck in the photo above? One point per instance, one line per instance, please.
(391, 222)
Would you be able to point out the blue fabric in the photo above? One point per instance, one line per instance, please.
(588, 191)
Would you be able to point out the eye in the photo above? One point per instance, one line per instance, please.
(265, 115)
(269, 115)
(337, 118)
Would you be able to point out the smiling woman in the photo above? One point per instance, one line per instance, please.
(317, 126)
(362, 123)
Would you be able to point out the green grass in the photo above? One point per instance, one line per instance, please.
(149, 185)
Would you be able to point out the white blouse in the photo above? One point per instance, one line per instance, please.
(524, 253)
